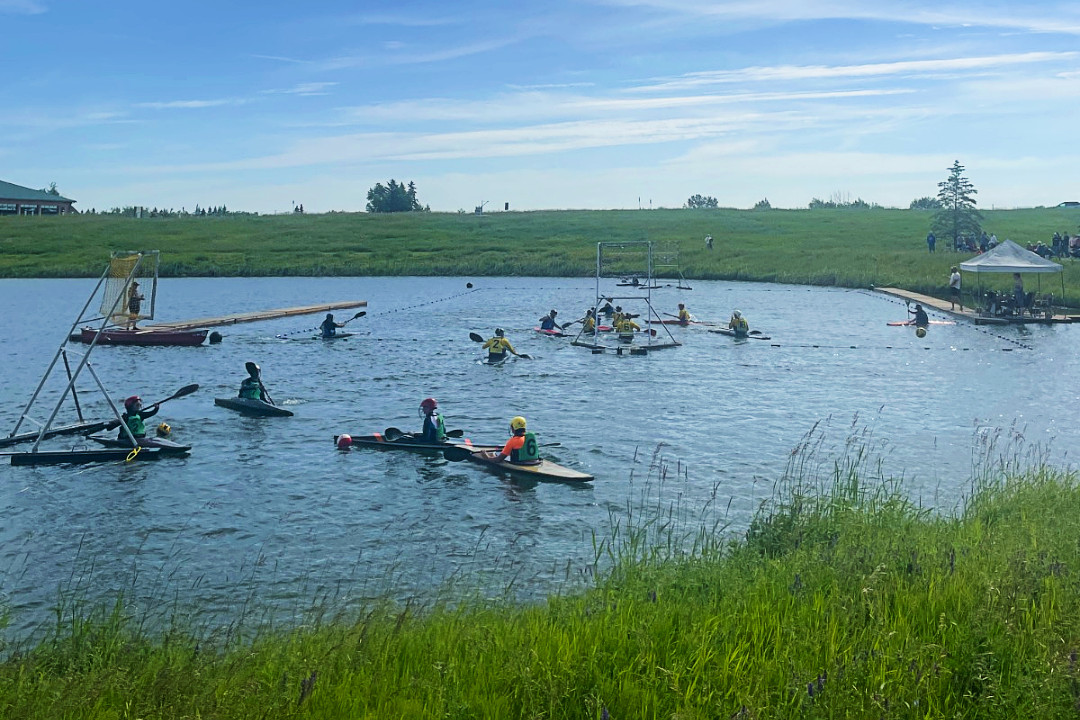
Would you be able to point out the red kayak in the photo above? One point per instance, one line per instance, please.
(550, 333)
(906, 323)
(120, 336)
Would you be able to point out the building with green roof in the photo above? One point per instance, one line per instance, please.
(19, 200)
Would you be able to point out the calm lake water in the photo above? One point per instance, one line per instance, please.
(268, 515)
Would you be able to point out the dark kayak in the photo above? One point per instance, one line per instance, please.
(410, 442)
(250, 406)
(339, 336)
(59, 457)
(166, 446)
(754, 334)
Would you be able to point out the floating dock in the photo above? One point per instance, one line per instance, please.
(256, 316)
(972, 314)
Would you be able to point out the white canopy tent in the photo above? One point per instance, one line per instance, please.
(1008, 257)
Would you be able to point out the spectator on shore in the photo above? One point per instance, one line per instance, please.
(931, 241)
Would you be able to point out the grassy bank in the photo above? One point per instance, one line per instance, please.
(844, 599)
(850, 248)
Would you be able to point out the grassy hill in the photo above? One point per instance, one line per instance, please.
(845, 247)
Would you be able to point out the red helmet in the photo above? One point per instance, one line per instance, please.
(130, 402)
(428, 405)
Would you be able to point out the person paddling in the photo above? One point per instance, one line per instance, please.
(922, 320)
(548, 321)
(252, 387)
(329, 327)
(684, 315)
(521, 448)
(498, 346)
(738, 325)
(434, 430)
(588, 325)
(134, 417)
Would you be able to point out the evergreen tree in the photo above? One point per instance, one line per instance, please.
(957, 216)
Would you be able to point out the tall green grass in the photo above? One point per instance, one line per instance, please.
(844, 598)
(850, 248)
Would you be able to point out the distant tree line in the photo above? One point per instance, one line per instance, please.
(701, 201)
(199, 211)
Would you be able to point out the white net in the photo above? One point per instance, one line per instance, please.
(131, 287)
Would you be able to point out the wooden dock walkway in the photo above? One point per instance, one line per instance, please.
(256, 316)
(970, 314)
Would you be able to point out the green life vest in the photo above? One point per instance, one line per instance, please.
(440, 429)
(136, 425)
(250, 389)
(527, 454)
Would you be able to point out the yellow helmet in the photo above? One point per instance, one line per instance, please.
(517, 423)
(163, 430)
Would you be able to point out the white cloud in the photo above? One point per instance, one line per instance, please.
(304, 89)
(190, 104)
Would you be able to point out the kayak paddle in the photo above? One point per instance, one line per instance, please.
(393, 434)
(186, 390)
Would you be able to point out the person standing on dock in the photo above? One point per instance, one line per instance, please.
(329, 327)
(1018, 293)
(134, 305)
(954, 289)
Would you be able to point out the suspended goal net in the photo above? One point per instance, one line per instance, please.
(130, 287)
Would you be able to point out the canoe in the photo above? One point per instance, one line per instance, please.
(544, 470)
(143, 337)
(754, 334)
(166, 446)
(60, 457)
(550, 333)
(250, 406)
(411, 442)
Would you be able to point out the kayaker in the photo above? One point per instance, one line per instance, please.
(252, 387)
(588, 325)
(498, 346)
(329, 327)
(626, 325)
(922, 320)
(617, 316)
(521, 448)
(134, 417)
(548, 321)
(134, 305)
(684, 315)
(738, 325)
(607, 310)
(434, 428)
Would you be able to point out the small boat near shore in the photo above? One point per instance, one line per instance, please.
(142, 337)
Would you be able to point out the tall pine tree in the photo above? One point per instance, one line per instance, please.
(957, 216)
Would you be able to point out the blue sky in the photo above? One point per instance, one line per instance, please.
(560, 104)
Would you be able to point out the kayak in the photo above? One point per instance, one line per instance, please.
(58, 457)
(544, 470)
(754, 334)
(909, 323)
(339, 336)
(167, 447)
(251, 406)
(495, 361)
(674, 321)
(550, 333)
(411, 442)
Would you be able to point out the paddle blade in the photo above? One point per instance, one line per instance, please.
(360, 314)
(456, 454)
(186, 390)
(392, 434)
(455, 433)
(475, 337)
(525, 356)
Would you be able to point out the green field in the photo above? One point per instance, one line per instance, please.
(842, 247)
(842, 600)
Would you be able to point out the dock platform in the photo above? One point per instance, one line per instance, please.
(971, 314)
(256, 316)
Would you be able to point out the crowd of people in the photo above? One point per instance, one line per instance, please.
(1061, 245)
